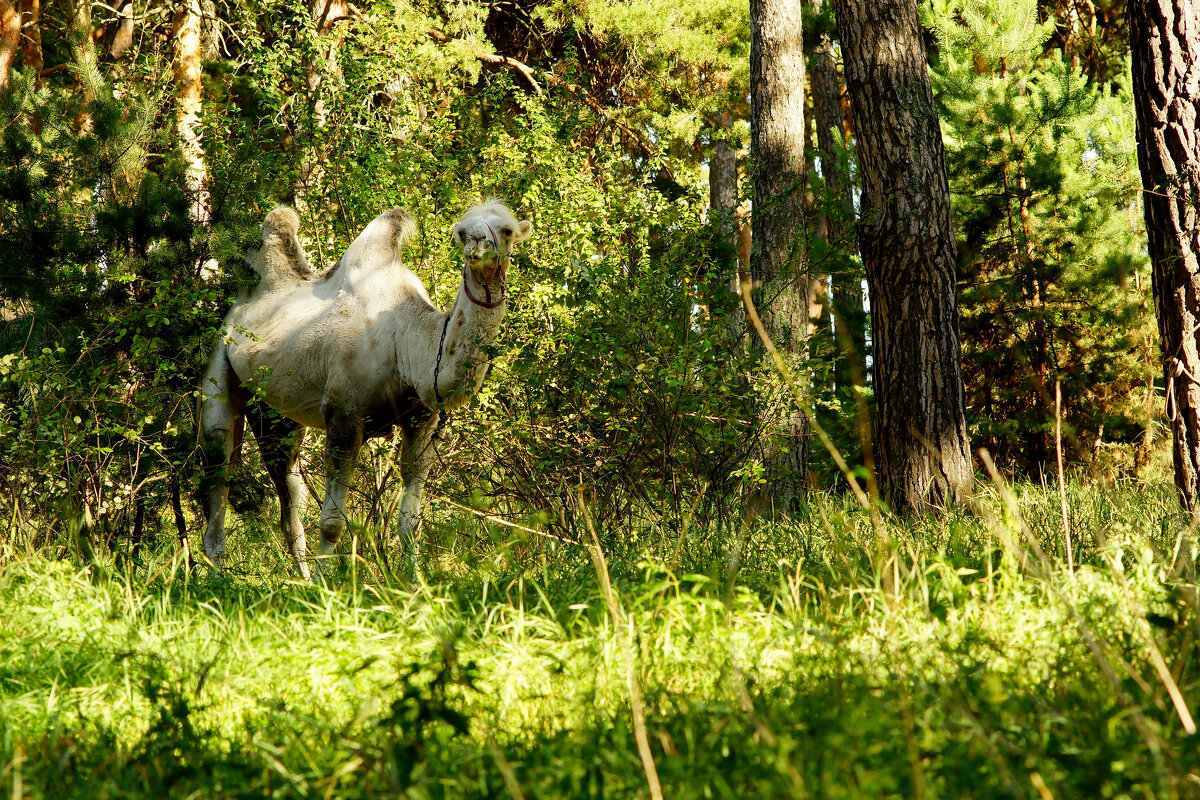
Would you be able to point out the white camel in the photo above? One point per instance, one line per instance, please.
(355, 350)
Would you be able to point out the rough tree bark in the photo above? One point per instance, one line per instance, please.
(10, 39)
(834, 223)
(1164, 38)
(186, 68)
(776, 257)
(905, 238)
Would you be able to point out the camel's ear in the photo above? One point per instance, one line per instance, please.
(524, 228)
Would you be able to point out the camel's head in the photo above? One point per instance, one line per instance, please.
(488, 232)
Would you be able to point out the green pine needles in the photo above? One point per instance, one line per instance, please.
(1051, 268)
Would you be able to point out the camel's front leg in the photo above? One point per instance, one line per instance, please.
(222, 415)
(415, 463)
(343, 439)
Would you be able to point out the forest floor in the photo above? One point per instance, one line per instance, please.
(774, 662)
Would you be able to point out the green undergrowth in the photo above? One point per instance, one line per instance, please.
(778, 665)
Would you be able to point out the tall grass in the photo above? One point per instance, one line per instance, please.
(786, 671)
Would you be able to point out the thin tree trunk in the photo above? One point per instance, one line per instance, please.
(836, 218)
(818, 327)
(83, 49)
(722, 214)
(180, 520)
(908, 250)
(31, 39)
(1165, 42)
(819, 318)
(10, 39)
(83, 53)
(326, 14)
(187, 72)
(777, 257)
(722, 190)
(123, 36)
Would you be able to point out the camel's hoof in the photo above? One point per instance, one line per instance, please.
(312, 574)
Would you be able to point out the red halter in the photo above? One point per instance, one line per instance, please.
(500, 268)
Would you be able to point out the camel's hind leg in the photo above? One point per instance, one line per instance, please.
(415, 463)
(343, 439)
(279, 441)
(222, 419)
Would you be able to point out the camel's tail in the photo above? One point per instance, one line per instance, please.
(281, 257)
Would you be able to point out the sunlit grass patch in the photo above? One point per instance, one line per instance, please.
(981, 674)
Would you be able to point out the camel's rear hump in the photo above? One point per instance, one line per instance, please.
(380, 241)
(403, 226)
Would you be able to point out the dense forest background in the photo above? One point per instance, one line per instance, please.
(144, 142)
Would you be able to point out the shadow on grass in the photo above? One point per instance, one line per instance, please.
(850, 735)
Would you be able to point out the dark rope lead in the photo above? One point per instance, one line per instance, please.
(437, 368)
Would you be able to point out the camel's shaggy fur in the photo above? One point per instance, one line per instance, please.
(354, 351)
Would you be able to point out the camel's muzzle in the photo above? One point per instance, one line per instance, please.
(481, 254)
(491, 273)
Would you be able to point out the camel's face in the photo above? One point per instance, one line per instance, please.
(488, 239)
(482, 245)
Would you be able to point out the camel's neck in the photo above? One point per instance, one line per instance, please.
(467, 326)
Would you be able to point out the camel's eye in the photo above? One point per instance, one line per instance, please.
(506, 232)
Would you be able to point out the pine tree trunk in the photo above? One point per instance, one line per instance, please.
(10, 39)
(1165, 41)
(908, 249)
(834, 224)
(31, 41)
(187, 73)
(777, 258)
